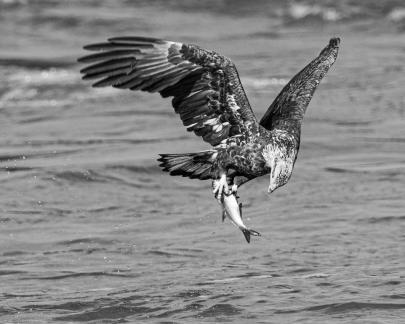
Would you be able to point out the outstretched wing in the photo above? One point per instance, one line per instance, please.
(291, 104)
(206, 88)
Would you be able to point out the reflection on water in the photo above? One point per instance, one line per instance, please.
(93, 231)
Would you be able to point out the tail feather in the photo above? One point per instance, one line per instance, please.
(247, 232)
(193, 165)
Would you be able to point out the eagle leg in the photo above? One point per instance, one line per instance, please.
(237, 181)
(220, 187)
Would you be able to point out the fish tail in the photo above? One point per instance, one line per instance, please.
(247, 232)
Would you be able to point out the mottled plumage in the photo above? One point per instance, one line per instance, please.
(211, 102)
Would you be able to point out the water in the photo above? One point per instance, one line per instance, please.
(92, 231)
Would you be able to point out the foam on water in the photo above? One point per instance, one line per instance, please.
(47, 77)
(302, 10)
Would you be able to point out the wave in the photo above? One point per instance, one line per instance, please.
(35, 63)
(327, 11)
(87, 274)
(395, 296)
(85, 142)
(108, 174)
(339, 170)
(10, 272)
(12, 3)
(127, 310)
(397, 14)
(264, 83)
(220, 310)
(384, 139)
(384, 219)
(15, 169)
(170, 254)
(191, 294)
(88, 240)
(316, 275)
(109, 312)
(13, 158)
(393, 169)
(301, 11)
(337, 308)
(70, 306)
(148, 169)
(79, 176)
(343, 11)
(350, 306)
(39, 84)
(5, 310)
(37, 88)
(49, 76)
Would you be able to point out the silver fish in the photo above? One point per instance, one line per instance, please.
(233, 210)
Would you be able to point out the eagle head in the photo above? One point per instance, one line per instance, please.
(280, 163)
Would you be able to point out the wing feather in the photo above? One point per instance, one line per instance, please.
(201, 82)
(107, 72)
(290, 105)
(108, 65)
(108, 81)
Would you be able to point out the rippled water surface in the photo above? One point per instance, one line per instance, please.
(92, 231)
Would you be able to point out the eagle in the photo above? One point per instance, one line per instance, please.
(209, 97)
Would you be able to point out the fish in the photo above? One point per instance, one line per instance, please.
(233, 210)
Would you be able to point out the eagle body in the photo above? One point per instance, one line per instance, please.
(252, 158)
(209, 97)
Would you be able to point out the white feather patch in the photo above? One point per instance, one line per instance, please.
(211, 122)
(232, 103)
(217, 128)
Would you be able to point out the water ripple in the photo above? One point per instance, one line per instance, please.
(350, 306)
(337, 308)
(220, 310)
(95, 274)
(109, 312)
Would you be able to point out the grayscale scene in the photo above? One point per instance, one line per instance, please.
(254, 174)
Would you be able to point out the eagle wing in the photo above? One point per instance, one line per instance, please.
(208, 94)
(291, 104)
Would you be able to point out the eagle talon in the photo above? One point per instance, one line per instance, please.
(220, 188)
(234, 189)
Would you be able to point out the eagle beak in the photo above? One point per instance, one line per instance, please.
(271, 189)
(272, 185)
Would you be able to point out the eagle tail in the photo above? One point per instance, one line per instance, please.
(197, 165)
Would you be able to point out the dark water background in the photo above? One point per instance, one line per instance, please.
(92, 231)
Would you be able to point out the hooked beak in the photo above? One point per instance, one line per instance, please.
(272, 185)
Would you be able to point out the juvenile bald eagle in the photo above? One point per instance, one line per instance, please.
(211, 102)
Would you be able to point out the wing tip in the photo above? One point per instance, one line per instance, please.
(331, 49)
(334, 42)
(96, 46)
(83, 59)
